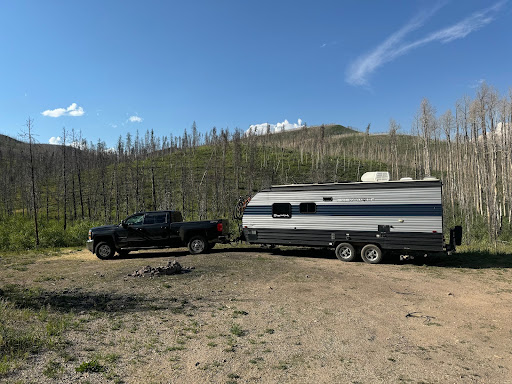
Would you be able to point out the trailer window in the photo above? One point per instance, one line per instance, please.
(307, 208)
(281, 210)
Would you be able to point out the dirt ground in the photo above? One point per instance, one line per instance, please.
(281, 316)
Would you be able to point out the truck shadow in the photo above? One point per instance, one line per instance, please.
(152, 254)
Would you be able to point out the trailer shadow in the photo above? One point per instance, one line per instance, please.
(464, 260)
(315, 253)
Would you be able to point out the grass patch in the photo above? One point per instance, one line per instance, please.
(53, 369)
(90, 366)
(239, 313)
(25, 332)
(237, 330)
(175, 348)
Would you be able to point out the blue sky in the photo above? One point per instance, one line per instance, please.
(108, 68)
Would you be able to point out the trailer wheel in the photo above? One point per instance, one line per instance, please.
(345, 252)
(371, 253)
(197, 245)
(104, 250)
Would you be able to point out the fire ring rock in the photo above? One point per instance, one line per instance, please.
(172, 268)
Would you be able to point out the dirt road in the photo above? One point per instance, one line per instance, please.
(255, 316)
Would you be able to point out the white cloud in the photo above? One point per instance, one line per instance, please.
(135, 119)
(58, 141)
(54, 112)
(55, 140)
(261, 129)
(477, 83)
(394, 46)
(72, 110)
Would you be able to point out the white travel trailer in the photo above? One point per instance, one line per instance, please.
(366, 217)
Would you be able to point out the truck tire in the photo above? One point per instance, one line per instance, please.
(345, 252)
(197, 245)
(371, 254)
(105, 250)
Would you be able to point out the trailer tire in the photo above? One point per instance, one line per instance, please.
(197, 245)
(345, 252)
(371, 254)
(105, 250)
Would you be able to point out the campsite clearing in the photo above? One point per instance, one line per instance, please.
(247, 315)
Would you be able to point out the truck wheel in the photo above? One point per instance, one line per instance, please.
(197, 245)
(104, 250)
(371, 254)
(345, 252)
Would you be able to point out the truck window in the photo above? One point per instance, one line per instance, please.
(135, 219)
(281, 210)
(155, 218)
(176, 217)
(307, 208)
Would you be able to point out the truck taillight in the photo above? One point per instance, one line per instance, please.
(219, 227)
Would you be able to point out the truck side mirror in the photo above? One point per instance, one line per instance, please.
(123, 224)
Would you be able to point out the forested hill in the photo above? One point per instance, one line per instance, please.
(203, 175)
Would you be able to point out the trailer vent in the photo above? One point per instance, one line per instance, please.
(406, 179)
(375, 176)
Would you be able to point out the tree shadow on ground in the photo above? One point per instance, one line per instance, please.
(469, 260)
(78, 301)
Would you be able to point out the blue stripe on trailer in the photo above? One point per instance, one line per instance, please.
(357, 210)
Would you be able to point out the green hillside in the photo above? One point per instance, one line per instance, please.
(203, 182)
(204, 175)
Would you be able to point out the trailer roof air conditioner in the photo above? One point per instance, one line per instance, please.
(375, 176)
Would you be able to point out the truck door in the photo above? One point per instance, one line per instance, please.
(156, 228)
(174, 234)
(134, 231)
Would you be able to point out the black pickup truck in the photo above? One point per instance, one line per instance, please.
(160, 229)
